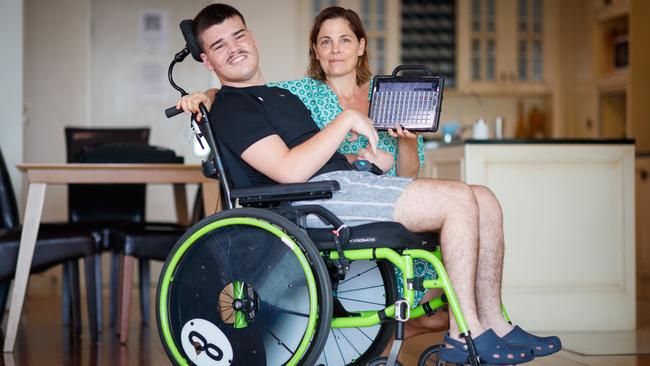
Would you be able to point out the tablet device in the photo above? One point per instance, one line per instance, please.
(413, 101)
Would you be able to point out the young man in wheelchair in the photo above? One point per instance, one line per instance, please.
(276, 140)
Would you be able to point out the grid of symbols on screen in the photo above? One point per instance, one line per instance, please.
(412, 105)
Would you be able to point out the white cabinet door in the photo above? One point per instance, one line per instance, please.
(568, 214)
(503, 45)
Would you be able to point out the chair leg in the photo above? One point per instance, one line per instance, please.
(115, 285)
(145, 281)
(99, 298)
(4, 292)
(75, 296)
(91, 297)
(67, 304)
(125, 307)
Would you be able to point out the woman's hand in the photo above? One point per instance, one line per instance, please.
(190, 103)
(384, 160)
(402, 133)
(408, 162)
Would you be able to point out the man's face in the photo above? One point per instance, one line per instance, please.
(230, 51)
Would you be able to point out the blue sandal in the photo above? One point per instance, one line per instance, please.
(490, 348)
(541, 346)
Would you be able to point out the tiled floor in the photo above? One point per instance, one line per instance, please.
(42, 341)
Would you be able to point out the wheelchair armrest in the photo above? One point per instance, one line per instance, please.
(278, 193)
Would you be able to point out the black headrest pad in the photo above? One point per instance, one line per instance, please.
(190, 40)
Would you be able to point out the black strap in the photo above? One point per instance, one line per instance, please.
(428, 310)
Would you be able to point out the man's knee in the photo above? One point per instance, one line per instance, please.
(486, 199)
(457, 196)
(462, 196)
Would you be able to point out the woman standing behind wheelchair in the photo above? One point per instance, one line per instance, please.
(339, 78)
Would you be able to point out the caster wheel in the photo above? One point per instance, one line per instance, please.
(430, 357)
(381, 361)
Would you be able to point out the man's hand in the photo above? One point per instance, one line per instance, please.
(384, 160)
(360, 124)
(190, 103)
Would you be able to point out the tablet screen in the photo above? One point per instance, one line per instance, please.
(412, 102)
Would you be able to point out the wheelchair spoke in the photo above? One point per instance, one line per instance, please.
(351, 344)
(229, 316)
(280, 342)
(361, 301)
(357, 275)
(338, 346)
(293, 313)
(361, 288)
(365, 334)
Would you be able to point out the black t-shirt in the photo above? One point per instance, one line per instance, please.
(242, 116)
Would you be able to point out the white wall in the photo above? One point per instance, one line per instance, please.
(11, 92)
(118, 61)
(57, 56)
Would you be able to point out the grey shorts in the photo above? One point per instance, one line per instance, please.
(363, 198)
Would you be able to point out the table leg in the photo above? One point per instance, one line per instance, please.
(9, 359)
(211, 195)
(33, 211)
(180, 200)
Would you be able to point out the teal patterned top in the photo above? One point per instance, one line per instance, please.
(324, 105)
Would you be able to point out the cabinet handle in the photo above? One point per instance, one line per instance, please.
(512, 76)
(589, 123)
(644, 175)
(503, 76)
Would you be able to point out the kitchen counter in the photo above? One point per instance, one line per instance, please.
(568, 225)
(439, 144)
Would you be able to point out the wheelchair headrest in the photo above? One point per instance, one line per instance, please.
(190, 40)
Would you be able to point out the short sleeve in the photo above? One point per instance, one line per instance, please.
(240, 121)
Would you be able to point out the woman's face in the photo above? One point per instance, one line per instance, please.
(337, 48)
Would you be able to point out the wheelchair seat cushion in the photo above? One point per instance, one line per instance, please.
(376, 235)
(363, 198)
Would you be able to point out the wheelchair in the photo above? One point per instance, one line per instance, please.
(251, 285)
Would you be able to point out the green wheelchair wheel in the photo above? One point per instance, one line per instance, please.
(369, 285)
(244, 287)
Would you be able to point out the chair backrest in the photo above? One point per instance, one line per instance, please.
(79, 139)
(98, 202)
(8, 206)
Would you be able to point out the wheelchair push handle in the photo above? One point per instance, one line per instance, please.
(172, 111)
(425, 70)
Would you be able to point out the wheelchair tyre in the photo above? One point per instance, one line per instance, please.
(244, 287)
(430, 357)
(381, 361)
(369, 285)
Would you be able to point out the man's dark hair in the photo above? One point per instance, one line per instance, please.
(212, 15)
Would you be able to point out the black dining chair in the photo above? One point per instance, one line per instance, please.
(154, 243)
(55, 244)
(108, 209)
(84, 200)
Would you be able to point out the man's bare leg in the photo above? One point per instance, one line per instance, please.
(451, 207)
(490, 261)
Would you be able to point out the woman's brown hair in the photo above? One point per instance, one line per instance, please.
(315, 71)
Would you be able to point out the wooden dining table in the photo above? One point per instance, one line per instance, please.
(39, 176)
